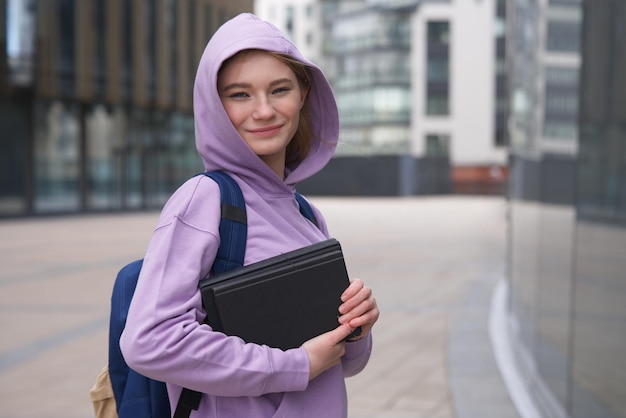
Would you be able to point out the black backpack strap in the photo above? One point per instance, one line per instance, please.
(189, 400)
(230, 255)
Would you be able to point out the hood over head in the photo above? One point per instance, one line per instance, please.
(219, 144)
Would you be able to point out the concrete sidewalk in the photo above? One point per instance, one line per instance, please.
(432, 262)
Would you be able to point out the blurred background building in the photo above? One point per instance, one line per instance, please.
(96, 96)
(421, 91)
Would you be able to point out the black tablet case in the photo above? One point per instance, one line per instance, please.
(282, 301)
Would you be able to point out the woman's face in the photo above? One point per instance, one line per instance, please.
(262, 98)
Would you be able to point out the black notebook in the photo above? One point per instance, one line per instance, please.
(282, 301)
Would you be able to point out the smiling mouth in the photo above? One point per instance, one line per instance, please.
(266, 131)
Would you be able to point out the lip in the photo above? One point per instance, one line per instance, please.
(266, 130)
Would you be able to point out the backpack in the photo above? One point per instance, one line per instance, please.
(135, 395)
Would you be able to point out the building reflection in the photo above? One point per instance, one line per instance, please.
(567, 252)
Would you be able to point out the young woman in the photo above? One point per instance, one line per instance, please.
(267, 117)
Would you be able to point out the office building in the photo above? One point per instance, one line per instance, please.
(96, 100)
(96, 97)
(421, 91)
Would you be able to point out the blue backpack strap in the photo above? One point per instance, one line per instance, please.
(233, 224)
(136, 395)
(306, 210)
(230, 255)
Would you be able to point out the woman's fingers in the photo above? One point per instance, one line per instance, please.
(359, 308)
(353, 289)
(354, 295)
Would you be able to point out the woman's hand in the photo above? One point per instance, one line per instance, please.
(359, 308)
(326, 350)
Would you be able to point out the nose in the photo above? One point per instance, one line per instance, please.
(263, 109)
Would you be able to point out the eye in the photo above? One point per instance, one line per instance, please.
(280, 90)
(238, 94)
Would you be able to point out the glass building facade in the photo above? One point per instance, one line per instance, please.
(367, 57)
(95, 100)
(372, 79)
(567, 232)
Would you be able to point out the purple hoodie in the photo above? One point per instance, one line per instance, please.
(164, 336)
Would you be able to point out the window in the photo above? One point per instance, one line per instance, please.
(438, 32)
(20, 40)
(563, 36)
(289, 17)
(561, 103)
(57, 157)
(564, 76)
(437, 68)
(437, 145)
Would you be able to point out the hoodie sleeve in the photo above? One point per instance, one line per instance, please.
(357, 356)
(164, 337)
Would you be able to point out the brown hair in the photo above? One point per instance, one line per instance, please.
(300, 145)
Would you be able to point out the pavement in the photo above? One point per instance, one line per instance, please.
(433, 263)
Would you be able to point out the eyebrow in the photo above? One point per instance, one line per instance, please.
(233, 86)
